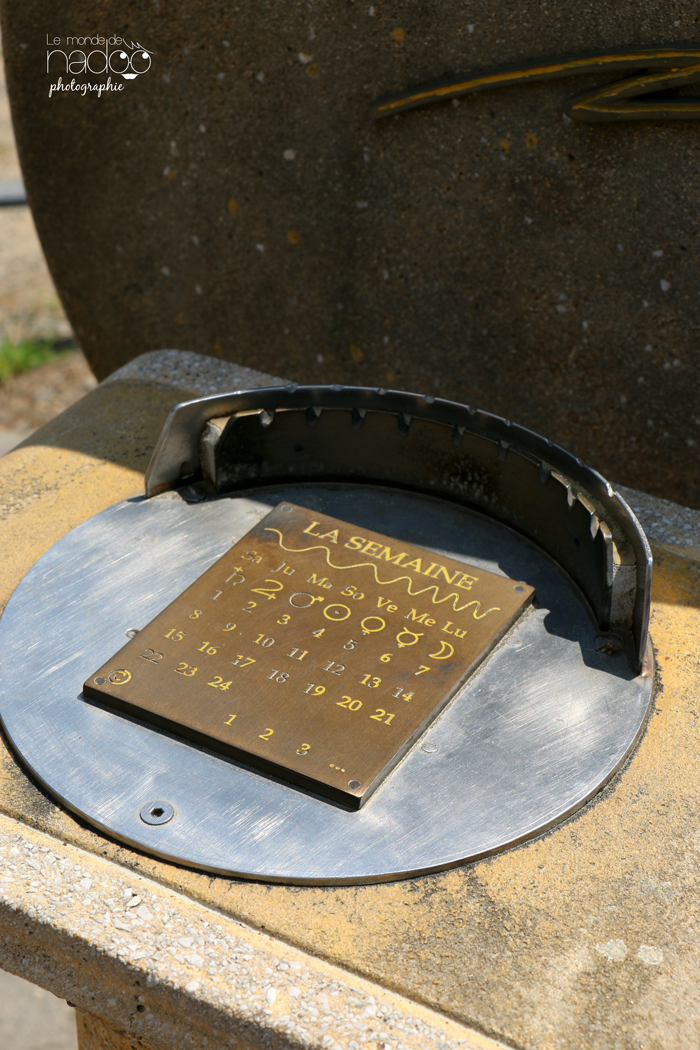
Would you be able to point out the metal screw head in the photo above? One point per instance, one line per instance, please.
(519, 589)
(429, 748)
(192, 493)
(354, 785)
(157, 812)
(100, 681)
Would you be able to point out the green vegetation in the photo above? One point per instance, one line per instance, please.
(23, 356)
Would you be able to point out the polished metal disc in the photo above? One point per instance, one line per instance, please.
(542, 725)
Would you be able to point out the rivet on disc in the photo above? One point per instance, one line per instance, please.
(157, 812)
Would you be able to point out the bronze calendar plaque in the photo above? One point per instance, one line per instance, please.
(313, 650)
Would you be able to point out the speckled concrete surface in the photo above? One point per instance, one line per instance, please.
(98, 1035)
(666, 523)
(150, 961)
(237, 199)
(586, 938)
(29, 306)
(182, 368)
(94, 1034)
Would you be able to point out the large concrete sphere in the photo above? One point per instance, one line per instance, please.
(236, 200)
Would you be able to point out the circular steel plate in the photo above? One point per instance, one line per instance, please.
(531, 737)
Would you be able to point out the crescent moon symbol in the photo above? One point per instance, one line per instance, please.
(442, 653)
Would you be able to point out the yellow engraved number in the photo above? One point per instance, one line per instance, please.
(423, 669)
(196, 614)
(370, 682)
(249, 607)
(406, 696)
(266, 735)
(269, 592)
(285, 618)
(247, 661)
(386, 658)
(230, 720)
(352, 705)
(210, 650)
(229, 627)
(381, 716)
(304, 749)
(219, 683)
(176, 635)
(315, 690)
(186, 670)
(151, 656)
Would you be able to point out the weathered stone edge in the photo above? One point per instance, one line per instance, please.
(148, 960)
(182, 368)
(666, 524)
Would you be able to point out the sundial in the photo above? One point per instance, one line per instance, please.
(344, 636)
(313, 652)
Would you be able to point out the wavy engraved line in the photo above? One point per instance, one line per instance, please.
(665, 67)
(386, 583)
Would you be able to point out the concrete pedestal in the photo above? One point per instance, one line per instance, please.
(585, 938)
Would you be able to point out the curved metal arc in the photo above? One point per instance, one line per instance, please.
(179, 444)
(673, 58)
(645, 567)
